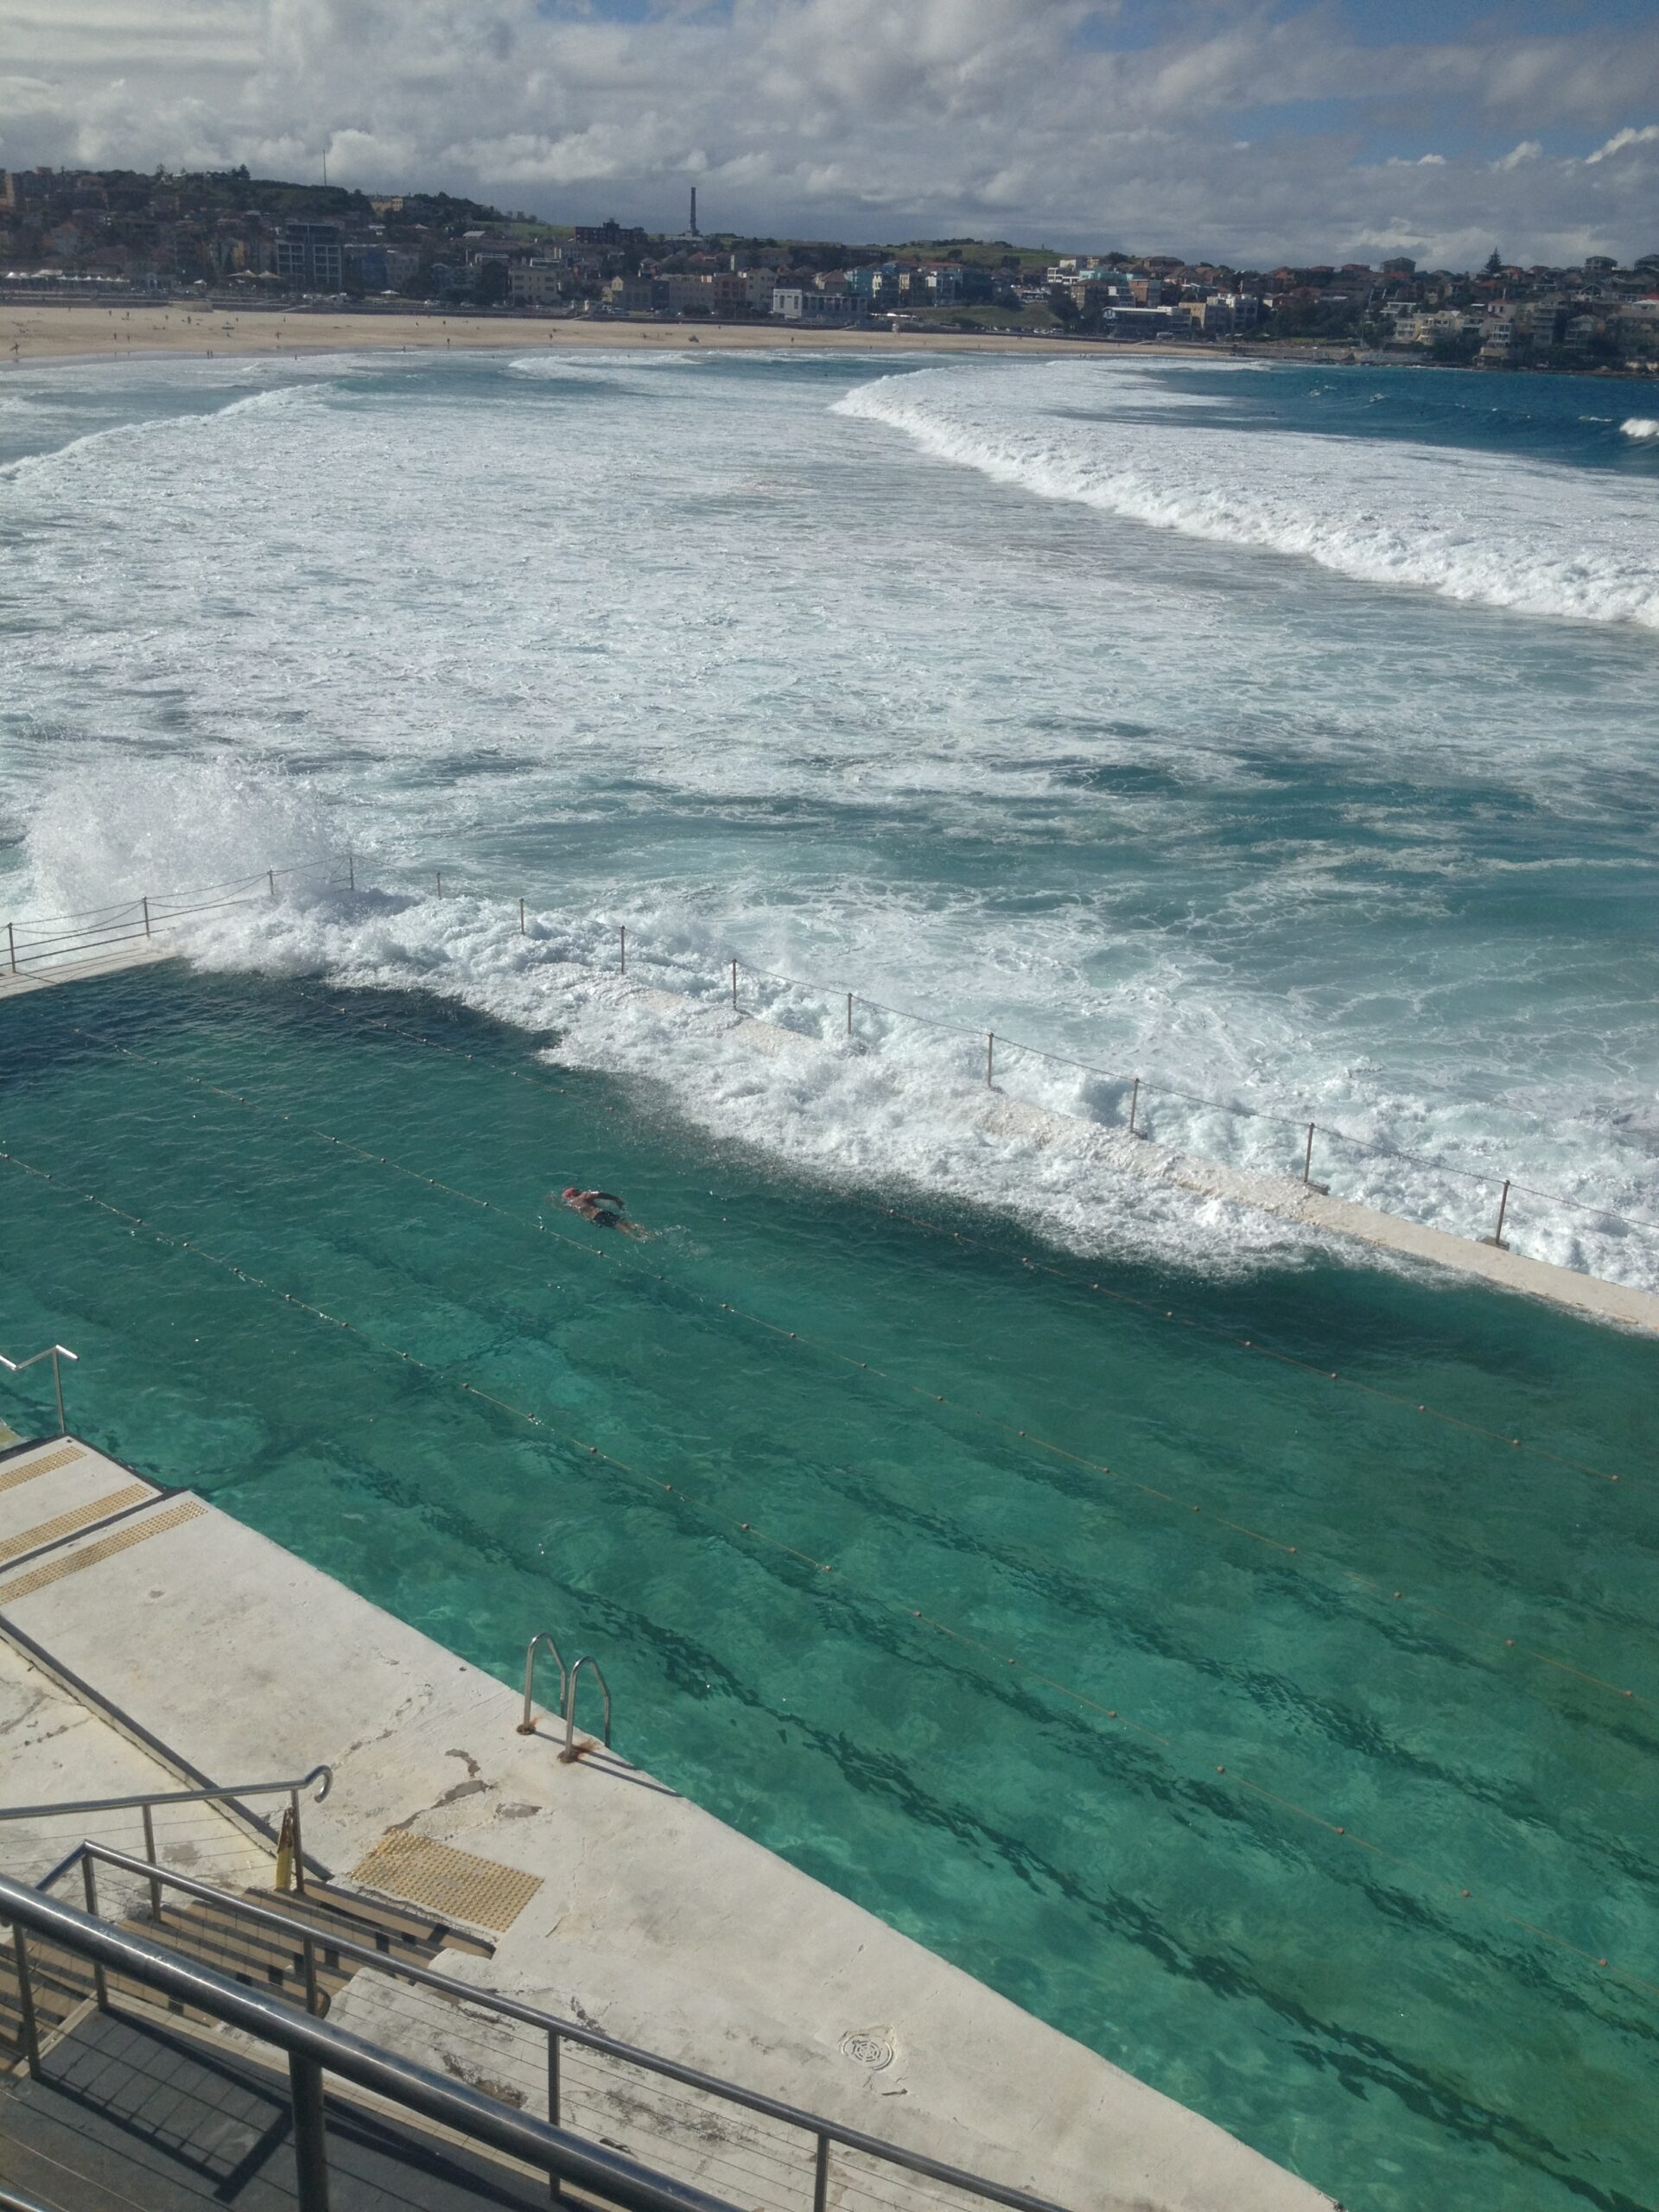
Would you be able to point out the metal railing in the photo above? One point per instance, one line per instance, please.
(1124, 1100)
(568, 1677)
(570, 1755)
(315, 2050)
(541, 1637)
(555, 2036)
(35, 940)
(289, 1842)
(56, 1354)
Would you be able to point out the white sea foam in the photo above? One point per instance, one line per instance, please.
(1492, 530)
(759, 678)
(1640, 426)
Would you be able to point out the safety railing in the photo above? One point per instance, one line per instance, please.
(535, 2061)
(56, 1354)
(569, 1678)
(37, 940)
(316, 2050)
(31, 1836)
(1258, 1139)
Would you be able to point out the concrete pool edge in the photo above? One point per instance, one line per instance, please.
(648, 1915)
(1620, 1305)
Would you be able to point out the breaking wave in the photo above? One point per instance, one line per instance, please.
(1640, 426)
(1493, 531)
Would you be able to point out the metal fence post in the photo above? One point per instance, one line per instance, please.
(733, 986)
(990, 1054)
(311, 2138)
(849, 1013)
(270, 878)
(89, 1885)
(149, 1853)
(1134, 1102)
(1324, 1189)
(57, 1383)
(308, 1953)
(298, 1853)
(351, 871)
(622, 943)
(555, 2195)
(26, 2003)
(523, 932)
(1496, 1236)
(11, 947)
(145, 903)
(821, 2176)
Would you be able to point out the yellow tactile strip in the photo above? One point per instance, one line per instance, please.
(451, 1882)
(53, 1570)
(11, 1476)
(79, 1517)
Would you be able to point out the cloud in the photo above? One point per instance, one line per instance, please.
(872, 117)
(1620, 140)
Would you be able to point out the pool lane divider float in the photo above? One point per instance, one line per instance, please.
(1203, 1764)
(1306, 1202)
(1210, 1517)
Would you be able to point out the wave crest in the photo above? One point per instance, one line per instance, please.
(1491, 531)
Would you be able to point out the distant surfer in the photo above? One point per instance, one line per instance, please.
(603, 1208)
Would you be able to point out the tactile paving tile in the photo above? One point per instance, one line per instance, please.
(453, 1883)
(53, 1570)
(79, 1517)
(11, 1476)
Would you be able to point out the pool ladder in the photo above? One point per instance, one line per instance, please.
(568, 1677)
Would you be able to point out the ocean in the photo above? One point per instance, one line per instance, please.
(1281, 739)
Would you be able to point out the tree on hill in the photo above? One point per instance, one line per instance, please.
(1494, 263)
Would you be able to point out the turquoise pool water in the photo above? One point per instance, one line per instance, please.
(1247, 1888)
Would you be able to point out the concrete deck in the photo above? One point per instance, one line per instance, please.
(1292, 1201)
(632, 1910)
(145, 952)
(1618, 1303)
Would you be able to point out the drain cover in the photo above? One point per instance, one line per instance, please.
(874, 2051)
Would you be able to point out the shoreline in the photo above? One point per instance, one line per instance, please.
(35, 334)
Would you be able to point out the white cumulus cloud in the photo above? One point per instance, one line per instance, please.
(1621, 139)
(868, 119)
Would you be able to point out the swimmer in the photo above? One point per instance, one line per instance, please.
(603, 1208)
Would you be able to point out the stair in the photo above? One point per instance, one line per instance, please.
(217, 1934)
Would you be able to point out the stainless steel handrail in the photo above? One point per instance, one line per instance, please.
(527, 1726)
(315, 2049)
(323, 1775)
(56, 1354)
(561, 2031)
(570, 1754)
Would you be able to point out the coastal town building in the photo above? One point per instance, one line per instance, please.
(230, 233)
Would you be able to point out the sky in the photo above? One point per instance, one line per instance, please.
(1252, 133)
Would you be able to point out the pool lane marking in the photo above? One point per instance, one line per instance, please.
(1220, 1334)
(1368, 1583)
(722, 1517)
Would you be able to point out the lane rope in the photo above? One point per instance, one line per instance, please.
(1207, 1514)
(1437, 1882)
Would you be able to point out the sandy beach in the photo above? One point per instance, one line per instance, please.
(96, 329)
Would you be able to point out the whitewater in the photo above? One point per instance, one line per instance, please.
(1281, 741)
